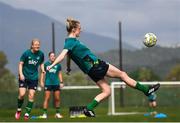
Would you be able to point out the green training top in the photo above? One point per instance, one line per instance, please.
(31, 63)
(80, 54)
(52, 76)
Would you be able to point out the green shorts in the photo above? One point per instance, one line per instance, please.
(52, 88)
(98, 71)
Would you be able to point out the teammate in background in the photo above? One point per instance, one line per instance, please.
(94, 67)
(52, 81)
(29, 63)
(152, 103)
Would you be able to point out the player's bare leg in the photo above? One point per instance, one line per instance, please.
(22, 92)
(57, 104)
(29, 106)
(46, 103)
(116, 73)
(106, 91)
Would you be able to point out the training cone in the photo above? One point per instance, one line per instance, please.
(33, 117)
(147, 114)
(160, 115)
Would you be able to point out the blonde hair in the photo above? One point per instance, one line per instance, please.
(34, 40)
(71, 24)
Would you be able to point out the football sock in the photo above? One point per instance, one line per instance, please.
(19, 103)
(151, 109)
(143, 88)
(92, 105)
(57, 110)
(29, 107)
(45, 110)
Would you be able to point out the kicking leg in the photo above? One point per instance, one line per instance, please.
(116, 73)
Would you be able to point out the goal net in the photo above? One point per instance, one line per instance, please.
(168, 95)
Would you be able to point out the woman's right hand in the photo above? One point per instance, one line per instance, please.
(48, 68)
(21, 77)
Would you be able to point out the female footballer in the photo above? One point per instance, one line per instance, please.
(52, 81)
(29, 63)
(96, 68)
(152, 103)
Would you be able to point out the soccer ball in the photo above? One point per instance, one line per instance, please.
(150, 39)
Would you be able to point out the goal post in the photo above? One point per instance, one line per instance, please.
(167, 95)
(112, 102)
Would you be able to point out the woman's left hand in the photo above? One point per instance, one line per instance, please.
(61, 85)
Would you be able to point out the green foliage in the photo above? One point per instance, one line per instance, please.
(3, 60)
(8, 82)
(159, 59)
(144, 74)
(77, 78)
(174, 74)
(7, 79)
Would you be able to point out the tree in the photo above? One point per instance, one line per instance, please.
(77, 78)
(144, 74)
(7, 79)
(174, 74)
(3, 62)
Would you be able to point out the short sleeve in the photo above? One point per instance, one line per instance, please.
(45, 66)
(42, 58)
(59, 67)
(23, 57)
(69, 44)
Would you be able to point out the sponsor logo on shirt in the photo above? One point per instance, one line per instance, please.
(52, 70)
(33, 62)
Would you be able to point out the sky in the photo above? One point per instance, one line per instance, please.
(138, 17)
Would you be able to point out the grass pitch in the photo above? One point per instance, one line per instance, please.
(173, 113)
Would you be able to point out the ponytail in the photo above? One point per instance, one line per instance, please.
(71, 24)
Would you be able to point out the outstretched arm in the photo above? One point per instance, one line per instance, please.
(59, 58)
